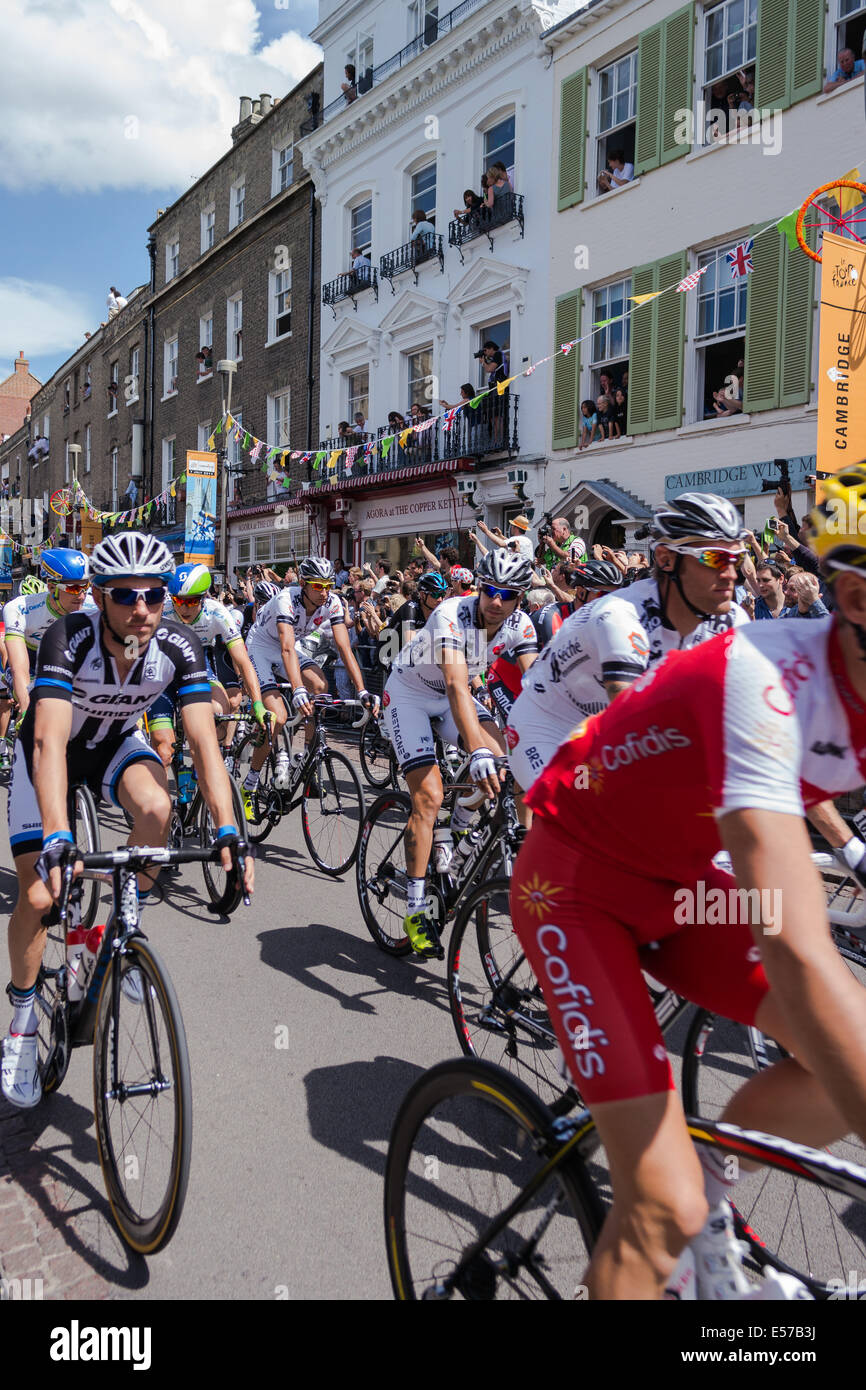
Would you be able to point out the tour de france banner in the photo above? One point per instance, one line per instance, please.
(5, 567)
(201, 509)
(842, 355)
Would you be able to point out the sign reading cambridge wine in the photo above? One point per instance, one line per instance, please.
(740, 480)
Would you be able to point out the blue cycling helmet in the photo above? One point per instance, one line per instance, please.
(64, 566)
(433, 583)
(190, 581)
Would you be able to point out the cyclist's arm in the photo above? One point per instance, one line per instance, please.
(52, 727)
(822, 1002)
(829, 823)
(19, 660)
(240, 659)
(340, 635)
(525, 660)
(213, 779)
(290, 656)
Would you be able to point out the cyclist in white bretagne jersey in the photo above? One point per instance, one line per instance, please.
(430, 680)
(281, 621)
(66, 581)
(603, 648)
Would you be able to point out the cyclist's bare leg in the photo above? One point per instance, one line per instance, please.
(276, 707)
(5, 713)
(316, 684)
(220, 705)
(425, 788)
(143, 792)
(26, 932)
(659, 1201)
(235, 697)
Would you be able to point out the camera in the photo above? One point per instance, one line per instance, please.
(479, 354)
(783, 481)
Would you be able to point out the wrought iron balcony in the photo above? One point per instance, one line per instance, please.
(349, 286)
(426, 247)
(484, 221)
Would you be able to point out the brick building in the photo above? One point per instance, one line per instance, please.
(15, 394)
(234, 274)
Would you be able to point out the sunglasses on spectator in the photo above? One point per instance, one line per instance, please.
(493, 591)
(187, 601)
(75, 588)
(713, 557)
(127, 598)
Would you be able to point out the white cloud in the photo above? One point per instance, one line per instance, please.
(131, 93)
(41, 318)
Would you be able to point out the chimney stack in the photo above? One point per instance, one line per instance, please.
(265, 103)
(246, 108)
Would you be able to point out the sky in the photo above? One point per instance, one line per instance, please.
(109, 109)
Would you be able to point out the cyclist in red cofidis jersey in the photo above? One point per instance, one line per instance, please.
(722, 746)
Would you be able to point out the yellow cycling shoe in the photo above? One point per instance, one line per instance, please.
(423, 933)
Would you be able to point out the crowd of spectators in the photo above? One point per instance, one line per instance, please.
(606, 417)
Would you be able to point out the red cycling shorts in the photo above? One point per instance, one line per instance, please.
(589, 928)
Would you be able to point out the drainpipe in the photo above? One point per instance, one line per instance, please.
(310, 321)
(150, 333)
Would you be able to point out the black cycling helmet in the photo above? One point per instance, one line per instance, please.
(264, 591)
(433, 583)
(595, 574)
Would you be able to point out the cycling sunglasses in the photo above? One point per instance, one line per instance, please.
(324, 584)
(187, 600)
(127, 598)
(715, 558)
(493, 591)
(74, 588)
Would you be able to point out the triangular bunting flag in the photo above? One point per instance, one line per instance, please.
(254, 453)
(386, 445)
(247, 440)
(212, 442)
(320, 458)
(788, 229)
(602, 323)
(644, 298)
(332, 461)
(403, 436)
(502, 386)
(475, 402)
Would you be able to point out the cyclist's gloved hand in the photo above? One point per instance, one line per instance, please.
(482, 766)
(259, 713)
(228, 841)
(370, 702)
(58, 849)
(301, 700)
(853, 857)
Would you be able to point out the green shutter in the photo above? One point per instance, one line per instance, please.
(566, 372)
(646, 144)
(795, 342)
(669, 326)
(572, 139)
(763, 323)
(678, 47)
(643, 281)
(807, 45)
(772, 86)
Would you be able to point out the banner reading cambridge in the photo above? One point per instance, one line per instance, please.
(841, 355)
(201, 496)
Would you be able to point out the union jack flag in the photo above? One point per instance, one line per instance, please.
(740, 259)
(449, 417)
(690, 280)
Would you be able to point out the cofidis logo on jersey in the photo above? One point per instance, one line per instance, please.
(648, 745)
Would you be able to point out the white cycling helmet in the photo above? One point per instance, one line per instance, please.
(507, 568)
(130, 555)
(698, 516)
(315, 567)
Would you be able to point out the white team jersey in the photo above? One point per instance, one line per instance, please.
(615, 638)
(287, 607)
(455, 625)
(30, 615)
(212, 621)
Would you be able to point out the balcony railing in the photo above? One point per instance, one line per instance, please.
(349, 286)
(371, 77)
(427, 247)
(484, 221)
(488, 430)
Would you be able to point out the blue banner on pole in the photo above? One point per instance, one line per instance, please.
(201, 508)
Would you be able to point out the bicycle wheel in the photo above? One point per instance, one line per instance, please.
(267, 803)
(377, 758)
(466, 1142)
(52, 1017)
(86, 832)
(789, 1223)
(144, 1108)
(215, 876)
(381, 871)
(497, 1007)
(332, 812)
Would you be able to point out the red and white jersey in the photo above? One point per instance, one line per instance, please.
(761, 717)
(456, 625)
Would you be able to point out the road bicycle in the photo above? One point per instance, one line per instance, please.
(381, 874)
(489, 1195)
(320, 780)
(377, 757)
(129, 1013)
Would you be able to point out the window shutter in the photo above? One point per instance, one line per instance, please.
(763, 322)
(646, 145)
(795, 343)
(566, 372)
(771, 65)
(572, 139)
(669, 326)
(643, 281)
(807, 47)
(678, 48)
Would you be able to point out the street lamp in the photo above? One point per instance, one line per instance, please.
(74, 450)
(226, 368)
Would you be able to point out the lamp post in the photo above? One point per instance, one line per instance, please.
(226, 369)
(75, 450)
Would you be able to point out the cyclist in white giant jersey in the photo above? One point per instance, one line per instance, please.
(96, 673)
(430, 680)
(188, 603)
(606, 646)
(66, 575)
(281, 621)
